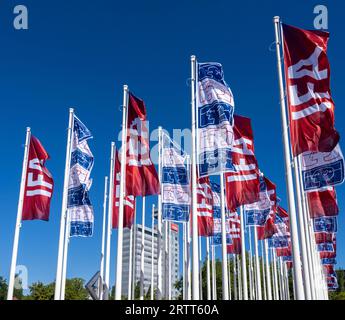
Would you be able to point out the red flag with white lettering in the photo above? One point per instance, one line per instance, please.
(205, 207)
(311, 108)
(322, 203)
(242, 186)
(141, 174)
(39, 184)
(235, 233)
(128, 202)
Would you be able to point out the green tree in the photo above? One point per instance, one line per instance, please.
(3, 288)
(39, 291)
(75, 289)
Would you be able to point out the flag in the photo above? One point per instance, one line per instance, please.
(235, 233)
(128, 202)
(215, 111)
(141, 175)
(204, 207)
(79, 207)
(322, 237)
(39, 184)
(268, 229)
(322, 169)
(311, 108)
(325, 247)
(325, 224)
(322, 203)
(242, 184)
(329, 261)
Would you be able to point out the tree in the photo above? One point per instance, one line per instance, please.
(3, 288)
(39, 291)
(75, 289)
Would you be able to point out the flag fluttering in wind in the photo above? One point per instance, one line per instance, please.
(205, 207)
(322, 203)
(129, 200)
(322, 169)
(243, 184)
(79, 207)
(311, 108)
(39, 184)
(215, 105)
(141, 175)
(235, 233)
(176, 193)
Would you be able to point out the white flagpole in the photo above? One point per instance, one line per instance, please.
(229, 276)
(59, 271)
(299, 291)
(134, 256)
(243, 257)
(132, 251)
(251, 275)
(240, 291)
(195, 259)
(166, 267)
(152, 251)
(275, 274)
(142, 254)
(189, 274)
(169, 260)
(235, 277)
(257, 266)
(263, 269)
(225, 280)
(101, 286)
(19, 216)
(184, 269)
(159, 220)
(200, 268)
(287, 282)
(118, 287)
(268, 273)
(110, 220)
(214, 275)
(130, 264)
(281, 290)
(208, 282)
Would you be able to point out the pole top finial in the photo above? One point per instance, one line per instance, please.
(71, 110)
(125, 87)
(276, 19)
(193, 57)
(112, 143)
(28, 129)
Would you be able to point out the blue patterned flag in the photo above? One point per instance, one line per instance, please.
(79, 207)
(215, 120)
(175, 182)
(325, 224)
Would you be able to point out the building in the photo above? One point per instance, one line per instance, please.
(136, 259)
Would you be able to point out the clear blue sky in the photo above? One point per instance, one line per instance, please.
(80, 53)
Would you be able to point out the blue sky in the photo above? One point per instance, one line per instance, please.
(80, 53)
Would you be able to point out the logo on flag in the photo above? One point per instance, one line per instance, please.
(175, 182)
(215, 105)
(79, 207)
(325, 224)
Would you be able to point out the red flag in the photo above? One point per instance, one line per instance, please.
(205, 207)
(268, 230)
(311, 108)
(39, 184)
(323, 237)
(242, 186)
(322, 203)
(327, 254)
(141, 174)
(235, 233)
(128, 201)
(284, 252)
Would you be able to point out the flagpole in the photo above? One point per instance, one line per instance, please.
(235, 277)
(195, 260)
(159, 220)
(101, 287)
(257, 266)
(250, 265)
(263, 269)
(208, 282)
(200, 268)
(142, 254)
(297, 272)
(59, 269)
(229, 276)
(130, 264)
(169, 260)
(240, 290)
(118, 287)
(19, 216)
(166, 268)
(275, 274)
(287, 282)
(214, 275)
(184, 269)
(189, 275)
(243, 254)
(110, 219)
(152, 251)
(134, 257)
(268, 273)
(225, 280)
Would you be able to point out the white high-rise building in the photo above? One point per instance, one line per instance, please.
(136, 259)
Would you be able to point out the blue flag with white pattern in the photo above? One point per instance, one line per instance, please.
(79, 207)
(215, 120)
(175, 182)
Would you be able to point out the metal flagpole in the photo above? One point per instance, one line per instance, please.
(189, 275)
(101, 285)
(110, 220)
(273, 277)
(235, 277)
(200, 268)
(142, 254)
(214, 275)
(243, 256)
(134, 268)
(263, 269)
(118, 287)
(275, 273)
(240, 291)
(268, 273)
(281, 290)
(287, 282)
(195, 260)
(229, 275)
(58, 282)
(208, 276)
(184, 269)
(257, 267)
(159, 221)
(19, 216)
(169, 260)
(251, 275)
(225, 280)
(299, 292)
(152, 251)
(130, 264)
(166, 268)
